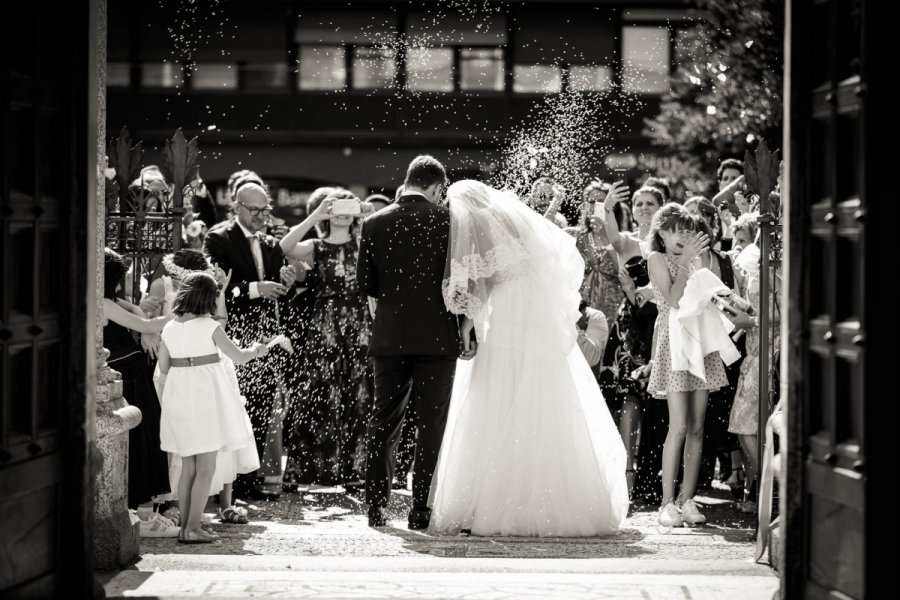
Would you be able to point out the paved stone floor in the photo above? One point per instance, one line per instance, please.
(316, 544)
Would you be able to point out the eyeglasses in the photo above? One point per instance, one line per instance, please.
(254, 211)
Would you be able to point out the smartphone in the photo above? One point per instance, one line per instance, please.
(723, 305)
(346, 206)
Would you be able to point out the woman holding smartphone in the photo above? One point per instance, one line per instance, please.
(327, 436)
(642, 424)
(601, 289)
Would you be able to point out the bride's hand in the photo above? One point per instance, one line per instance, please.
(469, 344)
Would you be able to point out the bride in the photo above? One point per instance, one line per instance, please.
(530, 448)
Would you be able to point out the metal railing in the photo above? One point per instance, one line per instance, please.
(145, 206)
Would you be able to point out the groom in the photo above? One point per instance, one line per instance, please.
(415, 341)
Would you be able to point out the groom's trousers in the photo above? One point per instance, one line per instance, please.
(431, 378)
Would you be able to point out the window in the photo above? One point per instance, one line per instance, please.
(162, 75)
(373, 68)
(429, 69)
(118, 74)
(481, 69)
(265, 76)
(211, 76)
(322, 68)
(589, 78)
(536, 79)
(646, 59)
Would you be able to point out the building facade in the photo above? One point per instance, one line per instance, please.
(315, 93)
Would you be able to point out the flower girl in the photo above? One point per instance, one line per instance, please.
(202, 412)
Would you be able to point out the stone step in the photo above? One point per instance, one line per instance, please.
(334, 585)
(663, 565)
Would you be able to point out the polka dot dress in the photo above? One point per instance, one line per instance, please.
(662, 378)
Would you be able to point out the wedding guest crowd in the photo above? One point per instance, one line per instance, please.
(289, 296)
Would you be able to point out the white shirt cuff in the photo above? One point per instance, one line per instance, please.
(254, 290)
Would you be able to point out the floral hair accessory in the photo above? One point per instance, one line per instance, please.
(180, 273)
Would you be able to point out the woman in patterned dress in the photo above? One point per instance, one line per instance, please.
(328, 427)
(744, 418)
(601, 289)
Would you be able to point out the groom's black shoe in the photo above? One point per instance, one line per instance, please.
(376, 517)
(419, 518)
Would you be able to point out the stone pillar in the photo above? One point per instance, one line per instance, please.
(116, 532)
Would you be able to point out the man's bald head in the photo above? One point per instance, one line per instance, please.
(252, 198)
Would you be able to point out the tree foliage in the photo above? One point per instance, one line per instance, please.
(726, 93)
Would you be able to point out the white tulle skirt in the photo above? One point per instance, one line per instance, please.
(530, 448)
(239, 454)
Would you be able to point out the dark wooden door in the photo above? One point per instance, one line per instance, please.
(832, 230)
(44, 215)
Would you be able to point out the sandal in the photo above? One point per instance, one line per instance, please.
(230, 515)
(200, 537)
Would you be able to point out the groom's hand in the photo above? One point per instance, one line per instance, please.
(467, 335)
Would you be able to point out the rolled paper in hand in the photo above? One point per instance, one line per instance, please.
(283, 341)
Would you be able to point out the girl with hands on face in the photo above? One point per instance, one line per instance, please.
(677, 244)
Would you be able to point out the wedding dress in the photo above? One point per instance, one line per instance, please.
(530, 448)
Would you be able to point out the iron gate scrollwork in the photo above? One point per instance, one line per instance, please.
(145, 204)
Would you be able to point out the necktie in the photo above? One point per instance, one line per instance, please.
(256, 250)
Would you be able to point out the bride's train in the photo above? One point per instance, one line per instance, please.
(530, 447)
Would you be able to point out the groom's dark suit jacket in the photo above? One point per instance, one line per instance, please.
(402, 258)
(415, 341)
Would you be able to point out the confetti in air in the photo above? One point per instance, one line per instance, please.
(565, 138)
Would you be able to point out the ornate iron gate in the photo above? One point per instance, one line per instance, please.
(144, 212)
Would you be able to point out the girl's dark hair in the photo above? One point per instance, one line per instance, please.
(626, 220)
(710, 216)
(113, 268)
(671, 217)
(324, 227)
(188, 258)
(703, 226)
(197, 295)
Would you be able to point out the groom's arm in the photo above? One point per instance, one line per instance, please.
(366, 271)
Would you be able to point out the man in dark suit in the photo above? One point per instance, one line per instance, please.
(256, 291)
(415, 340)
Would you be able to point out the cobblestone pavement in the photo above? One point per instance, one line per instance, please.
(316, 543)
